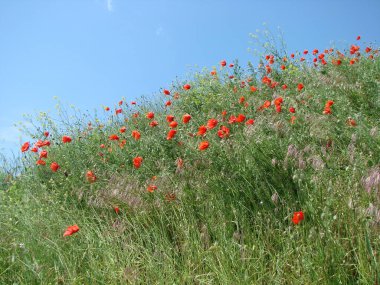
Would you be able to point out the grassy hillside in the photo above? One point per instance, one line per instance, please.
(267, 176)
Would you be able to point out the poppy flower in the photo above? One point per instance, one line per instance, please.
(173, 124)
(292, 119)
(223, 132)
(71, 230)
(166, 92)
(169, 118)
(179, 162)
(137, 161)
(107, 109)
(223, 63)
(54, 166)
(113, 137)
(305, 51)
(202, 130)
(212, 123)
(292, 55)
(123, 129)
(232, 119)
(358, 38)
(315, 51)
(91, 177)
(25, 147)
(300, 86)
(278, 108)
(133, 103)
(186, 118)
(278, 101)
(284, 87)
(153, 124)
(34, 149)
(283, 67)
(40, 162)
(151, 188)
(120, 103)
(250, 122)
(351, 122)
(367, 49)
(240, 118)
(231, 65)
(297, 217)
(116, 209)
(253, 88)
(213, 72)
(168, 103)
(186, 86)
(118, 111)
(171, 134)
(136, 135)
(203, 145)
(241, 99)
(150, 115)
(43, 154)
(292, 110)
(46, 134)
(66, 139)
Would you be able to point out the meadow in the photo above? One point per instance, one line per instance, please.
(257, 175)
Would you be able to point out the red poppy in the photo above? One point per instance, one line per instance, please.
(171, 134)
(223, 63)
(136, 135)
(107, 108)
(123, 129)
(91, 177)
(283, 67)
(25, 147)
(231, 65)
(186, 118)
(133, 103)
(250, 122)
(223, 132)
(300, 86)
(242, 99)
(173, 124)
(169, 118)
(240, 118)
(284, 87)
(43, 154)
(351, 122)
(203, 145)
(166, 92)
(315, 52)
(278, 101)
(278, 108)
(297, 217)
(358, 38)
(253, 88)
(212, 123)
(232, 119)
(41, 162)
(120, 103)
(213, 72)
(113, 137)
(186, 86)
(54, 166)
(137, 161)
(367, 49)
(66, 139)
(292, 119)
(71, 230)
(116, 209)
(34, 149)
(292, 110)
(202, 130)
(151, 188)
(46, 134)
(150, 115)
(292, 55)
(153, 124)
(305, 51)
(118, 111)
(179, 162)
(168, 103)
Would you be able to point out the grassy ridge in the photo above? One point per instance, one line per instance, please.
(222, 215)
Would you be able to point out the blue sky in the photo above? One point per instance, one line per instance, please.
(94, 52)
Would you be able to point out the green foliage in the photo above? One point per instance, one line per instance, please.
(225, 216)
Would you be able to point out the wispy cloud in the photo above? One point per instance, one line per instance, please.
(159, 31)
(109, 5)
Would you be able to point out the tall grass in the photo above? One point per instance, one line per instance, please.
(218, 216)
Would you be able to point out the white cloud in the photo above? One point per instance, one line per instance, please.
(159, 31)
(109, 5)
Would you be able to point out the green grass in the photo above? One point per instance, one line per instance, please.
(230, 219)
